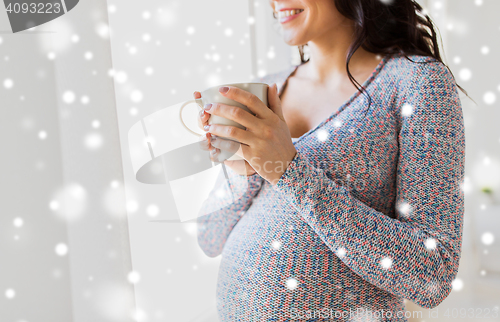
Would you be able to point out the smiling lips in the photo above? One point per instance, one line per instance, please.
(287, 15)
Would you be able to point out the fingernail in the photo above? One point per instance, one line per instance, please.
(223, 90)
(206, 127)
(202, 112)
(208, 106)
(213, 151)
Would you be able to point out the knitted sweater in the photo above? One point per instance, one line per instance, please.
(368, 213)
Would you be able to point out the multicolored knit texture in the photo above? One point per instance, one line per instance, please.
(367, 214)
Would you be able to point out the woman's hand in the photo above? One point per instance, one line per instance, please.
(239, 166)
(266, 144)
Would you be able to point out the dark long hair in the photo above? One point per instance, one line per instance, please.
(388, 27)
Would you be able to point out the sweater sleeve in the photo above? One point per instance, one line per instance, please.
(226, 204)
(415, 256)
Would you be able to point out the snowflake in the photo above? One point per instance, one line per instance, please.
(432, 288)
(487, 238)
(404, 208)
(152, 210)
(430, 243)
(18, 222)
(133, 277)
(54, 205)
(84, 99)
(132, 206)
(68, 97)
(407, 110)
(489, 98)
(271, 54)
(61, 249)
(322, 135)
(139, 315)
(386, 262)
(10, 293)
(457, 284)
(136, 96)
(291, 284)
(8, 83)
(102, 30)
(42, 135)
(341, 252)
(465, 74)
(120, 77)
(220, 193)
(276, 244)
(93, 141)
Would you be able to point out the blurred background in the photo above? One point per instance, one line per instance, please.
(82, 240)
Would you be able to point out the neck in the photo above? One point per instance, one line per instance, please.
(328, 57)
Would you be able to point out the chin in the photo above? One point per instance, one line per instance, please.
(293, 41)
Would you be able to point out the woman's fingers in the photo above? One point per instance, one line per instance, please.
(203, 119)
(232, 113)
(214, 154)
(229, 132)
(224, 145)
(274, 101)
(202, 116)
(204, 142)
(246, 98)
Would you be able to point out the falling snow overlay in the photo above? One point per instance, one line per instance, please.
(83, 240)
(376, 205)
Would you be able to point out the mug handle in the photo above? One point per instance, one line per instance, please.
(198, 102)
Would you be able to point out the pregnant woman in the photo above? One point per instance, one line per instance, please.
(349, 199)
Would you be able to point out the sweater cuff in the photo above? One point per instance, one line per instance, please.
(296, 181)
(240, 184)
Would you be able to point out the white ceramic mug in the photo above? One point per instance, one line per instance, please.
(212, 95)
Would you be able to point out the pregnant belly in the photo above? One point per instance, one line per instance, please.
(275, 267)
